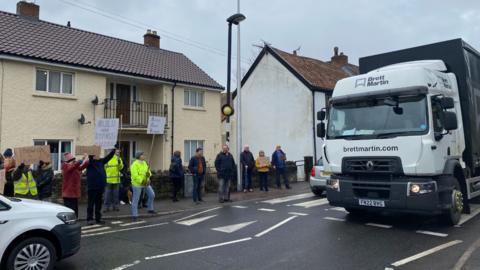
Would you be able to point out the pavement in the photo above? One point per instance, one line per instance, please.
(167, 206)
(284, 230)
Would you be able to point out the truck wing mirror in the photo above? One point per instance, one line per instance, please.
(321, 130)
(321, 115)
(447, 103)
(449, 121)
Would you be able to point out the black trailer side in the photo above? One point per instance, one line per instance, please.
(464, 61)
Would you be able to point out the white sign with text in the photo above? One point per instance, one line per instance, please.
(156, 125)
(106, 132)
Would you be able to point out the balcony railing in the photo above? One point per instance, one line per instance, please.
(133, 114)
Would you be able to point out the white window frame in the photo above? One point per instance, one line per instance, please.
(191, 151)
(198, 93)
(47, 89)
(59, 141)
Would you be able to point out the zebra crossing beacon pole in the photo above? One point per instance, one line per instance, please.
(239, 108)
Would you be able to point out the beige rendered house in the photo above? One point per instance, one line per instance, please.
(51, 75)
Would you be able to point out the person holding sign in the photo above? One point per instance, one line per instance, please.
(9, 167)
(24, 184)
(112, 194)
(96, 182)
(140, 174)
(263, 166)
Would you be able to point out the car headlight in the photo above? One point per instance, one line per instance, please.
(67, 217)
(333, 184)
(421, 188)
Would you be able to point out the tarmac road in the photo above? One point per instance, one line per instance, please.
(292, 232)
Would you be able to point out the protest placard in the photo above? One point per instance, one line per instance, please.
(94, 150)
(106, 132)
(156, 125)
(32, 154)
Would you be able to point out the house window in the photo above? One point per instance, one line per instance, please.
(57, 149)
(190, 146)
(193, 98)
(54, 81)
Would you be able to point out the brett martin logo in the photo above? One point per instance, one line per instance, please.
(371, 81)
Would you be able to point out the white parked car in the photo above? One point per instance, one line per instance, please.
(318, 178)
(35, 234)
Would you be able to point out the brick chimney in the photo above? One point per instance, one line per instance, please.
(28, 9)
(151, 39)
(339, 59)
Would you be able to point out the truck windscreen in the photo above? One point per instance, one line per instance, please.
(378, 118)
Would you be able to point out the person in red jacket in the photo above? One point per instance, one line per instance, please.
(72, 170)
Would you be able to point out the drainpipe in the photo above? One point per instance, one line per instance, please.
(1, 102)
(173, 114)
(314, 129)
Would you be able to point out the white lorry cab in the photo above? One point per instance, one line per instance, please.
(35, 234)
(404, 135)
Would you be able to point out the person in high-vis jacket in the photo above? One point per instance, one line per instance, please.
(113, 169)
(140, 175)
(24, 184)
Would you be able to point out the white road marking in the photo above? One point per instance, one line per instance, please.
(433, 233)
(90, 227)
(194, 221)
(197, 249)
(426, 253)
(266, 210)
(474, 210)
(339, 209)
(196, 214)
(297, 214)
(334, 218)
(126, 229)
(289, 198)
(234, 227)
(133, 223)
(125, 266)
(240, 206)
(275, 226)
(379, 225)
(312, 203)
(117, 222)
(96, 230)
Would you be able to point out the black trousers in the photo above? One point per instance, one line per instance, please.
(95, 200)
(177, 185)
(71, 203)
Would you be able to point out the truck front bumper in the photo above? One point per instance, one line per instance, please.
(393, 195)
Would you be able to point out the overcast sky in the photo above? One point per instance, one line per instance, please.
(197, 28)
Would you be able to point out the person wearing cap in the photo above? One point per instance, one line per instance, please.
(71, 170)
(140, 175)
(9, 167)
(96, 182)
(197, 166)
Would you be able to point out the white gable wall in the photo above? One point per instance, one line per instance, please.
(277, 109)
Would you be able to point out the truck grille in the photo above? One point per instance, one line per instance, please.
(387, 165)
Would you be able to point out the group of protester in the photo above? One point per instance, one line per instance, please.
(107, 178)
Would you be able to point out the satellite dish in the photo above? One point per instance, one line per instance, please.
(81, 120)
(95, 100)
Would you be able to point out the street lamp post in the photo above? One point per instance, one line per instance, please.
(234, 19)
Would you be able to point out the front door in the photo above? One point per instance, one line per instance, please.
(123, 103)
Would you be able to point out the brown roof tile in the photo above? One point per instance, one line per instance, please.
(51, 42)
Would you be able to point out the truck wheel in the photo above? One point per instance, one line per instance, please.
(32, 253)
(355, 211)
(452, 216)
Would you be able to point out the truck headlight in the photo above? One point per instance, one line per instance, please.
(421, 188)
(333, 184)
(67, 217)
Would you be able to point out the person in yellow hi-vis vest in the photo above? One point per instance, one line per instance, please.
(24, 184)
(114, 170)
(140, 175)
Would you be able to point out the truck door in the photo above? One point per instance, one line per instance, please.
(443, 141)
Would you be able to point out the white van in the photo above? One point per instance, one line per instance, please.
(35, 234)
